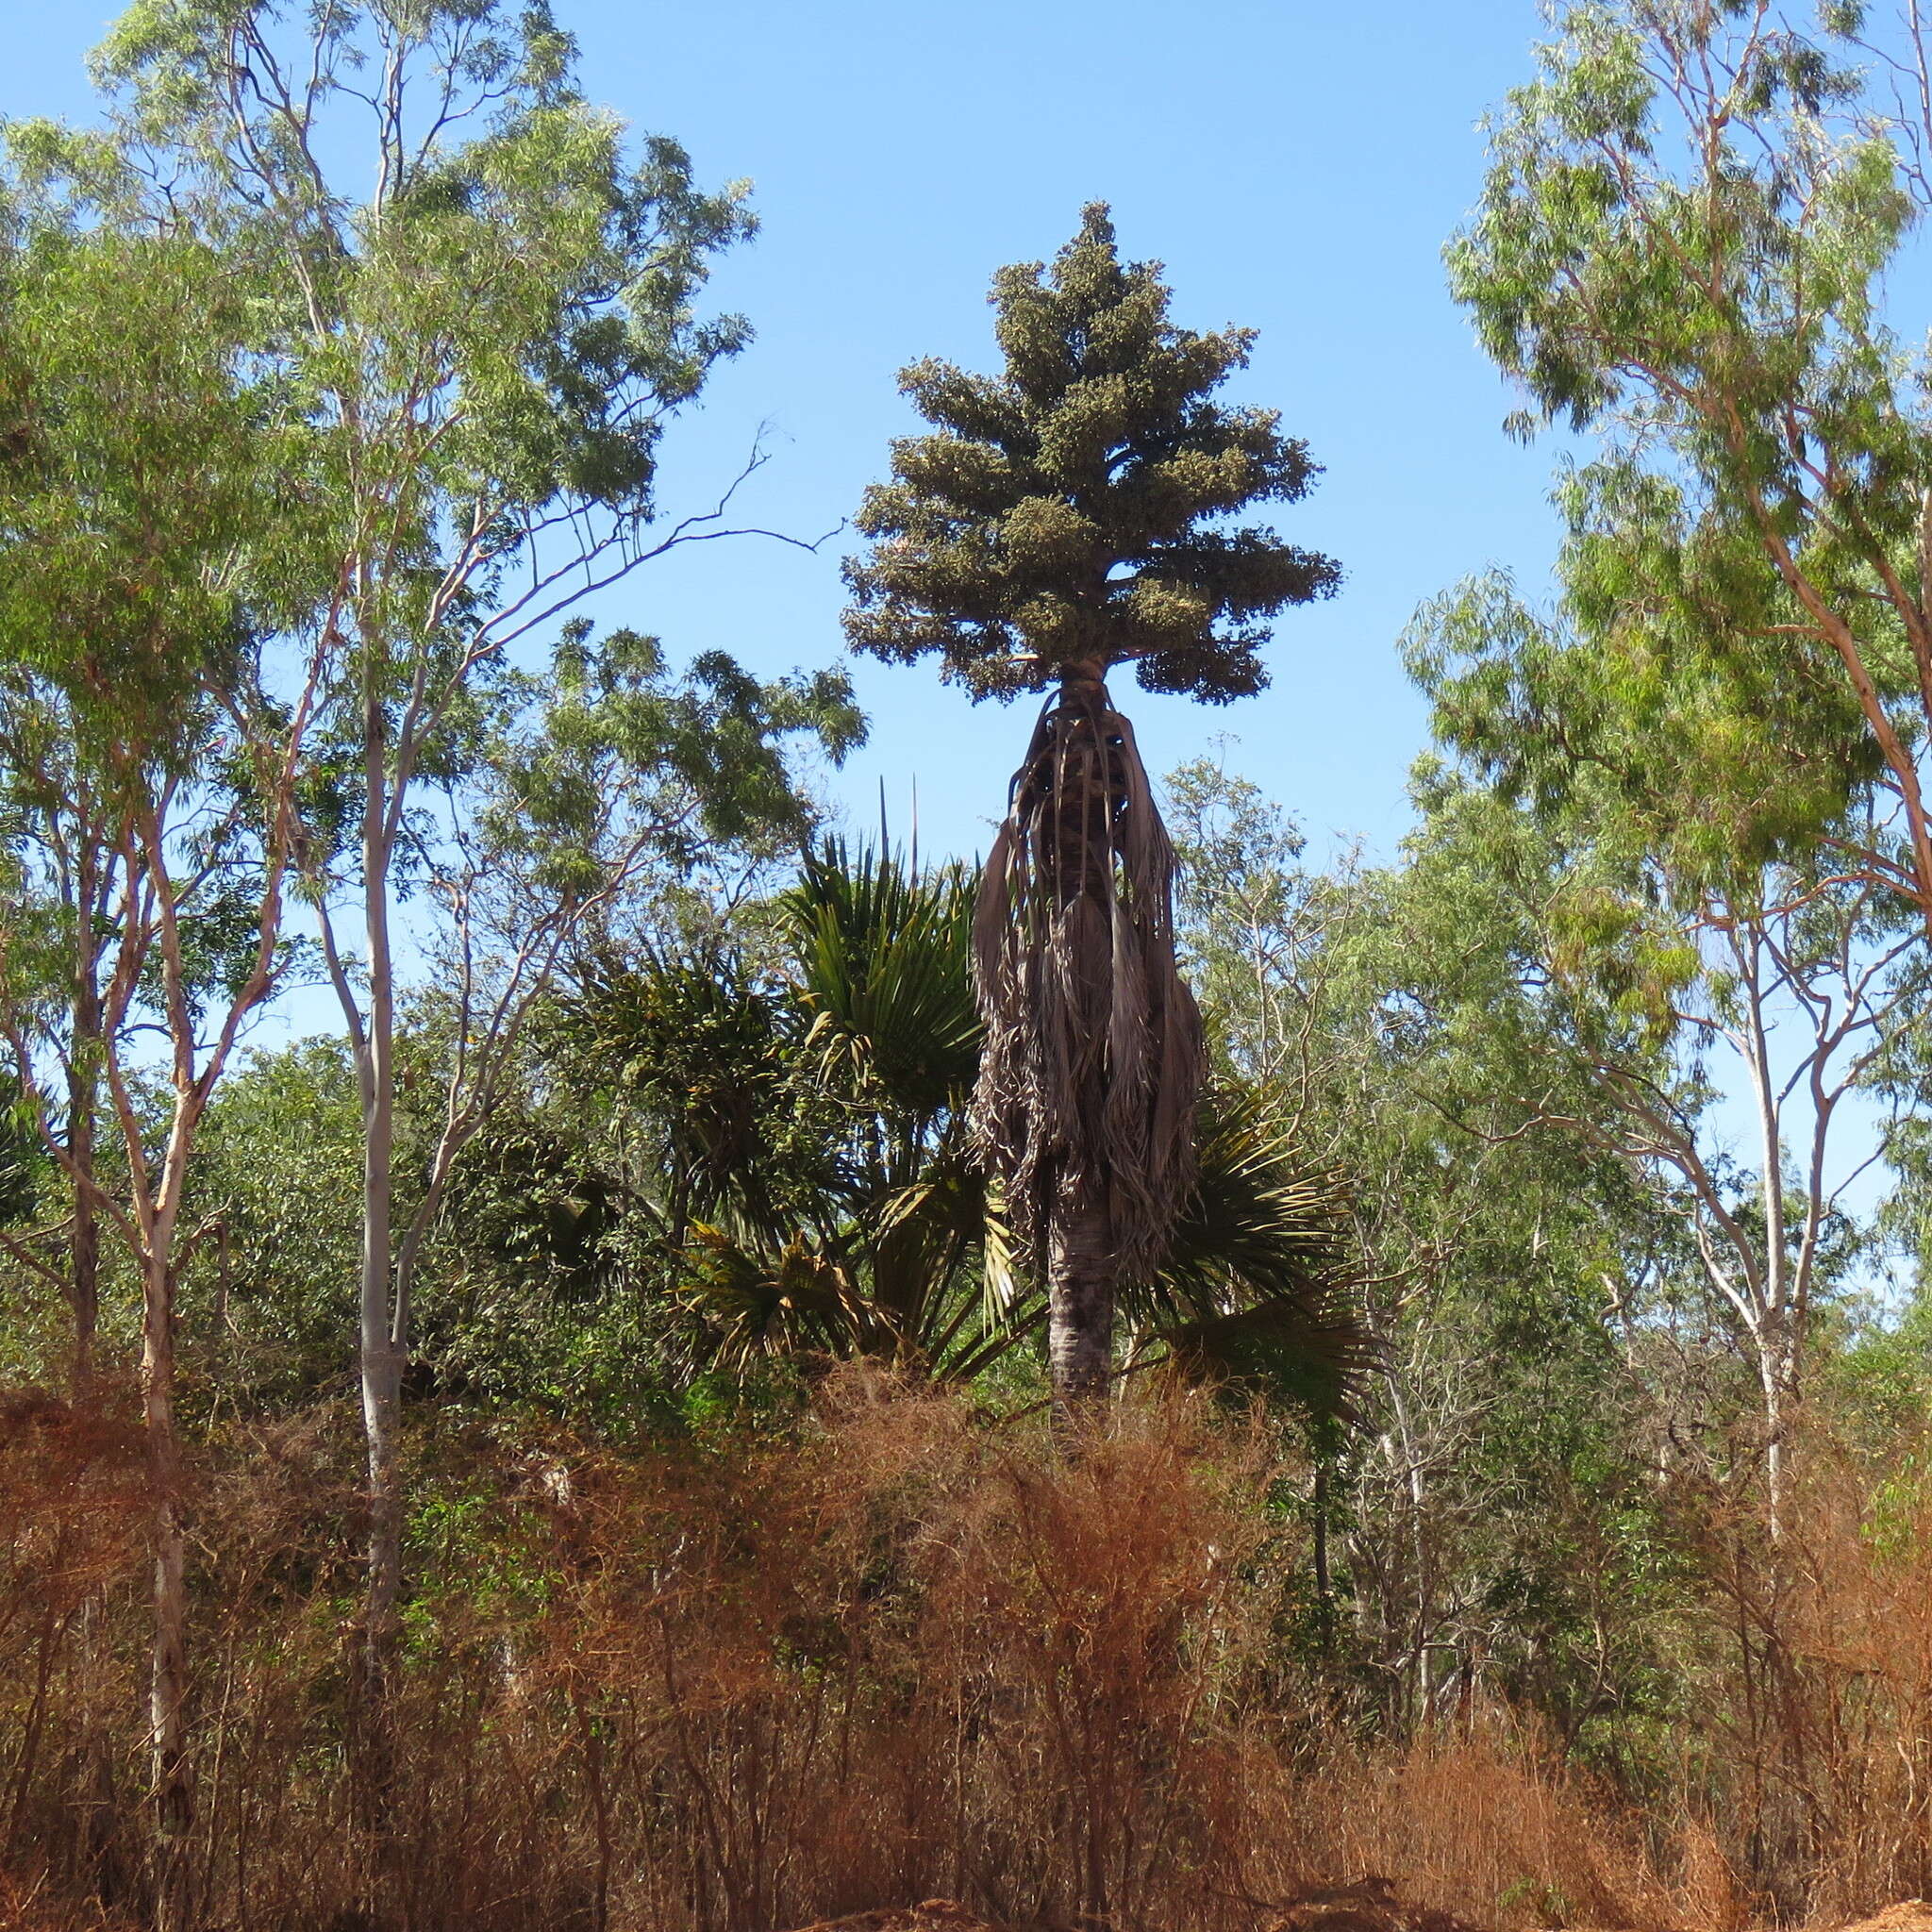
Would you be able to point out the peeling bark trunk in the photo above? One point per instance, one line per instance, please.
(1776, 1370)
(83, 1102)
(381, 1366)
(84, 1242)
(382, 1341)
(382, 1379)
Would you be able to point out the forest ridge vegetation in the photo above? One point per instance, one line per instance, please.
(751, 1376)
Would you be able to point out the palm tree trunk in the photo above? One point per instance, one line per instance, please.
(1082, 1264)
(1080, 1305)
(1085, 1103)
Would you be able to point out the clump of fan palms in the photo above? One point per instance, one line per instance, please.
(815, 1177)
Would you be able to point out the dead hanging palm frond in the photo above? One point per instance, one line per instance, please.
(1092, 1057)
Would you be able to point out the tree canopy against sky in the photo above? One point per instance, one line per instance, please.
(1506, 1042)
(469, 337)
(1067, 512)
(147, 863)
(1684, 247)
(857, 271)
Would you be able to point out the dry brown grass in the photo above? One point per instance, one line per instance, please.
(1482, 1824)
(1822, 1723)
(899, 1654)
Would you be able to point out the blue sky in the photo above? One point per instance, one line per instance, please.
(1296, 166)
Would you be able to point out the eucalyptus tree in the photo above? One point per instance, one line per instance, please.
(1499, 1455)
(1726, 1008)
(1254, 920)
(481, 312)
(1714, 1047)
(151, 776)
(1683, 247)
(1066, 518)
(62, 869)
(1607, 775)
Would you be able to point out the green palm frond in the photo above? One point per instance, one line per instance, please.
(883, 961)
(794, 1301)
(1006, 1288)
(1257, 1283)
(818, 1131)
(806, 1128)
(700, 1049)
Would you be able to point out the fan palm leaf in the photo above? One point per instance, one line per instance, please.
(824, 1193)
(882, 960)
(1259, 1282)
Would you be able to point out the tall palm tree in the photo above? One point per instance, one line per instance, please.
(1067, 517)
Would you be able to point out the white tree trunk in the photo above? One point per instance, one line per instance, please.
(168, 1665)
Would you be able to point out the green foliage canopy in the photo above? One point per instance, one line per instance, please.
(1682, 246)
